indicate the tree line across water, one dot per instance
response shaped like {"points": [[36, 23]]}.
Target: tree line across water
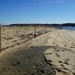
{"points": [[39, 24]]}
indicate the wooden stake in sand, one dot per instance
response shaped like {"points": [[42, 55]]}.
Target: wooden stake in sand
{"points": [[34, 31], [45, 29]]}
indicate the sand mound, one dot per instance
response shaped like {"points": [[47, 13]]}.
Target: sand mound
{"points": [[62, 54]]}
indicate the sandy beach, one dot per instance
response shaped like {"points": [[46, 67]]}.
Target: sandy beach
{"points": [[52, 53], [37, 37], [15, 35], [26, 59], [62, 53]]}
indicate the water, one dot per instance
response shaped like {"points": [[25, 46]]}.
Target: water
{"points": [[69, 28]]}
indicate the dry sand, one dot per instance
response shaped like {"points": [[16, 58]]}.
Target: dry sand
{"points": [[15, 35], [52, 53], [62, 53]]}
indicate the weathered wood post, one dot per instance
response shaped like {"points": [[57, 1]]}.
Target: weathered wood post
{"points": [[46, 29], [0, 38], [34, 31]]}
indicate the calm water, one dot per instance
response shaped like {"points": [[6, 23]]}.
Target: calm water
{"points": [[69, 28]]}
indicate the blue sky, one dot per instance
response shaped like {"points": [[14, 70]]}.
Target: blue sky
{"points": [[37, 11]]}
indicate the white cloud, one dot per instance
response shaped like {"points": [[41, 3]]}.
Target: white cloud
{"points": [[49, 2], [44, 3]]}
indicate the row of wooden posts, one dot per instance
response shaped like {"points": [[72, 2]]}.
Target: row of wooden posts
{"points": [[36, 31], [34, 34]]}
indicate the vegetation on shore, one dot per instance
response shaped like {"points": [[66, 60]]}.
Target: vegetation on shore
{"points": [[39, 24]]}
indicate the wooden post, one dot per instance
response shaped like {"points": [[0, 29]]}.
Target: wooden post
{"points": [[0, 38], [46, 29], [34, 31]]}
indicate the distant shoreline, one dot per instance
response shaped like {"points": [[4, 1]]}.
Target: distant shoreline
{"points": [[40, 24]]}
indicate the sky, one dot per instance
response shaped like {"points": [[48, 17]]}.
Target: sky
{"points": [[37, 11]]}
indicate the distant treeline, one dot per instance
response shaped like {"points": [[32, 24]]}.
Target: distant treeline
{"points": [[64, 24]]}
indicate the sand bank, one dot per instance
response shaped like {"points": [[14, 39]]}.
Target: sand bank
{"points": [[62, 53]]}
